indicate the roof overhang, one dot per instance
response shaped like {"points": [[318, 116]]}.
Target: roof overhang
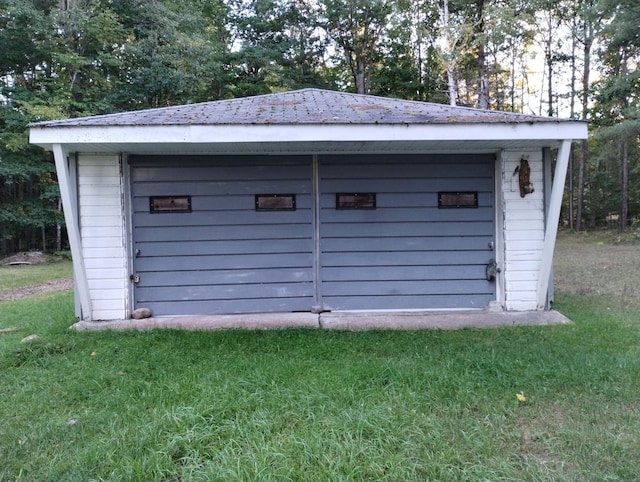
{"points": [[292, 138]]}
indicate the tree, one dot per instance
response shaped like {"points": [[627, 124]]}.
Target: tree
{"points": [[619, 97], [357, 26]]}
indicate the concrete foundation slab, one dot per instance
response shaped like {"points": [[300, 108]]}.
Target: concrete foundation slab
{"points": [[412, 320]]}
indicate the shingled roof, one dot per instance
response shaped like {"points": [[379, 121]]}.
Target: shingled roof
{"points": [[306, 106]]}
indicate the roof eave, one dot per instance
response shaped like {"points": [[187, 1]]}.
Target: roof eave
{"points": [[46, 136]]}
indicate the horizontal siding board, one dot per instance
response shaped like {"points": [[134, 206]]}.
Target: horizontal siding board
{"points": [[105, 222], [106, 273], [239, 232], [409, 185], [248, 218], [102, 263], [250, 174], [108, 314], [203, 263], [107, 284], [512, 236], [395, 273], [390, 288], [530, 276], [114, 295], [516, 305], [407, 258], [407, 243], [403, 302], [102, 242], [239, 187], [223, 277], [374, 230], [408, 214], [225, 292], [242, 246], [233, 306], [112, 253], [109, 208], [430, 170]]}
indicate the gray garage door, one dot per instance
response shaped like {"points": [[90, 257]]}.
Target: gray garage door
{"points": [[406, 232], [222, 235], [236, 234]]}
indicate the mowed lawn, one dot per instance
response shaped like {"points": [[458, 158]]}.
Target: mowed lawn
{"points": [[327, 405]]}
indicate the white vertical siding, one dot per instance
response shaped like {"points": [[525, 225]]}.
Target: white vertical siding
{"points": [[103, 237], [524, 221]]}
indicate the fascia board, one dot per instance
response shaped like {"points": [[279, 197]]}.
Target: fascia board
{"points": [[47, 136]]}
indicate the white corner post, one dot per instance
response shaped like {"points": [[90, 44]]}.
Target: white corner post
{"points": [[553, 218], [73, 229]]}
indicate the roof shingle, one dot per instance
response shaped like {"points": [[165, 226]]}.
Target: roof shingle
{"points": [[306, 106]]}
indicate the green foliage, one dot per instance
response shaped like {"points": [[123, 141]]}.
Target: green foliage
{"points": [[61, 59]]}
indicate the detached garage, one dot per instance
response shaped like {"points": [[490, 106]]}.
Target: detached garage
{"points": [[310, 201]]}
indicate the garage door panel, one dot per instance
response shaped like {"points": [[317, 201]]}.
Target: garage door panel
{"points": [[407, 252], [223, 256]]}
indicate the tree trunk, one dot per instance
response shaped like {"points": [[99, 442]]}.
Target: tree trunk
{"points": [[584, 155], [359, 76], [588, 34], [59, 229], [624, 181], [450, 61], [483, 81]]}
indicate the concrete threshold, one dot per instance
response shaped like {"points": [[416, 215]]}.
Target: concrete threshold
{"points": [[338, 320]]}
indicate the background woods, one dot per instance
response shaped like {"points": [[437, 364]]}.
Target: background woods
{"points": [[572, 58]]}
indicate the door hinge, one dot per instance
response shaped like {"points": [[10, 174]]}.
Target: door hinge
{"points": [[135, 278]]}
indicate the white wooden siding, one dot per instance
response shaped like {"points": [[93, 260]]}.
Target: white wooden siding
{"points": [[102, 229], [524, 222]]}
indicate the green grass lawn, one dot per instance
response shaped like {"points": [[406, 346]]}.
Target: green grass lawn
{"points": [[27, 275], [320, 405]]}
